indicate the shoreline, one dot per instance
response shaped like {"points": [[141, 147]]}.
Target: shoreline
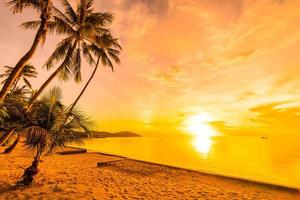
{"points": [[270, 184]]}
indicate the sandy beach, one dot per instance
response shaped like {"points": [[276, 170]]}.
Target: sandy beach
{"points": [[78, 177]]}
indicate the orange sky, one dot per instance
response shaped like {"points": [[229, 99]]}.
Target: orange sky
{"points": [[237, 61]]}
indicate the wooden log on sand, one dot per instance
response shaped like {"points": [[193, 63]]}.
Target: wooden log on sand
{"points": [[106, 163], [70, 152]]}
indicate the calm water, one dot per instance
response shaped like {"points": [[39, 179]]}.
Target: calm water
{"points": [[274, 160]]}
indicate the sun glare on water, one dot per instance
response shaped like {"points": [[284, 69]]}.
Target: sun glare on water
{"points": [[198, 126]]}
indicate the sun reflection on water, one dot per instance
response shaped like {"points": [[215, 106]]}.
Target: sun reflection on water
{"points": [[198, 126], [202, 144]]}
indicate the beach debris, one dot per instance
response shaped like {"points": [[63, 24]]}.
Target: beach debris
{"points": [[75, 151], [106, 163]]}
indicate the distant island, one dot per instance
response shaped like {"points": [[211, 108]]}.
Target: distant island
{"points": [[104, 134]]}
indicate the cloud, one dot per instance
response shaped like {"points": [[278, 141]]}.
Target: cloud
{"points": [[172, 74], [229, 55], [224, 57], [276, 118], [156, 7], [279, 1], [246, 95]]}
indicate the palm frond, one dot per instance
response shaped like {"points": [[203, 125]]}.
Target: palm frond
{"points": [[114, 54], [105, 59], [67, 64], [28, 71], [87, 54], [60, 52], [69, 11], [101, 53], [28, 84], [69, 131], [61, 15], [100, 19], [53, 96], [17, 6], [88, 30], [31, 25], [3, 114], [36, 137], [84, 121], [77, 66], [61, 26]]}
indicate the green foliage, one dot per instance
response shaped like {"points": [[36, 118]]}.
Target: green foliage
{"points": [[18, 5], [47, 128], [14, 107], [28, 71], [49, 124], [43, 7], [87, 34], [44, 126]]}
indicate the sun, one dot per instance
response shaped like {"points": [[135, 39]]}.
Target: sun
{"points": [[199, 125]]}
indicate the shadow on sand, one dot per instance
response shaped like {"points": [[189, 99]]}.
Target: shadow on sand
{"points": [[9, 188]]}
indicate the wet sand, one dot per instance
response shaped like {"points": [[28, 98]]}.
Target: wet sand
{"points": [[78, 177]]}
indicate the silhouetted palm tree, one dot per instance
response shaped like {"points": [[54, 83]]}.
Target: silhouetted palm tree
{"points": [[81, 27], [28, 71], [105, 48], [45, 118], [44, 8], [14, 106]]}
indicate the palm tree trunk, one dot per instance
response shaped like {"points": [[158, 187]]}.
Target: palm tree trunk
{"points": [[15, 73], [6, 135], [83, 90], [15, 83], [13, 146], [31, 171]]}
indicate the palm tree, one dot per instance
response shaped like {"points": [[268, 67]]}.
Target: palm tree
{"points": [[28, 71], [14, 106], [81, 27], [44, 8], [45, 119], [105, 48]]}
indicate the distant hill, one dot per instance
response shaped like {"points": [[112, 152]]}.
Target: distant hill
{"points": [[103, 134]]}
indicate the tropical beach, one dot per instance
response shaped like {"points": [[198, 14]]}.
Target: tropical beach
{"points": [[78, 177], [150, 99]]}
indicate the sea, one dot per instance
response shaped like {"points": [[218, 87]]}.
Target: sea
{"points": [[272, 159]]}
